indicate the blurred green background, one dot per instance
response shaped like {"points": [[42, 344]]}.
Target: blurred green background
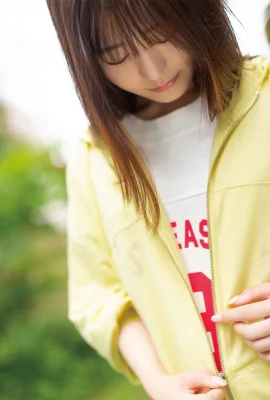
{"points": [[42, 357]]}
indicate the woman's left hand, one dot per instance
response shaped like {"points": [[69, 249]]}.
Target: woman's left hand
{"points": [[251, 305]]}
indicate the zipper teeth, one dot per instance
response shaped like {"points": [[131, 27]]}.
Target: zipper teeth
{"points": [[222, 373], [193, 301]]}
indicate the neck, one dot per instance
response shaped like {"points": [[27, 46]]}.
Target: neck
{"points": [[151, 110]]}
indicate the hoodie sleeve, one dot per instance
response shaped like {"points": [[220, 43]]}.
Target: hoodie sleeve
{"points": [[97, 300]]}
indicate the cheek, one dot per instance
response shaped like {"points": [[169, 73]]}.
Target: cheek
{"points": [[186, 63], [179, 57], [124, 76]]}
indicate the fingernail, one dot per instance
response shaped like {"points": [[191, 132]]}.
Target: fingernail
{"points": [[218, 381], [238, 299], [217, 318]]}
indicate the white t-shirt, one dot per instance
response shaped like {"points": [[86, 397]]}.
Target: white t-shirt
{"points": [[177, 147]]}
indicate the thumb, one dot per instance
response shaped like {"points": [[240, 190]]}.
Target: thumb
{"points": [[201, 379]]}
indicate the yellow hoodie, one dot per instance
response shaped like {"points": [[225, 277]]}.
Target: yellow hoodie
{"points": [[117, 267]]}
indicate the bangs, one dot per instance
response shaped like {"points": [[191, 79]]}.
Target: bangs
{"points": [[125, 26]]}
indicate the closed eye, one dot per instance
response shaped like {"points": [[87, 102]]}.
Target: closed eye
{"points": [[114, 54], [118, 62], [117, 55]]}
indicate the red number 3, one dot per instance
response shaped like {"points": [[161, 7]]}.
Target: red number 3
{"points": [[202, 288]]}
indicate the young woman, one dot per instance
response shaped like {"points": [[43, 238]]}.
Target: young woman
{"points": [[169, 195]]}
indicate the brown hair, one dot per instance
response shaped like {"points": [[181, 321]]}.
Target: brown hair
{"points": [[201, 27]]}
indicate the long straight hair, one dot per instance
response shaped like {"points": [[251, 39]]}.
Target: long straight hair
{"points": [[200, 27]]}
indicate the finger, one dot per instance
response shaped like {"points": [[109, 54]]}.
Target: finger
{"points": [[255, 331], [216, 394], [203, 391], [261, 345], [265, 356], [249, 312], [194, 397], [253, 294], [215, 382], [201, 379]]}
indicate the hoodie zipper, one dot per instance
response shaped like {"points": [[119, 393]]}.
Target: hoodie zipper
{"points": [[222, 374], [194, 303]]}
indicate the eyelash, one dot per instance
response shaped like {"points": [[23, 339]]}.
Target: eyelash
{"points": [[119, 62], [127, 56]]}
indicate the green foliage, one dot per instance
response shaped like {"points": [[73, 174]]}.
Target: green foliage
{"points": [[26, 180], [48, 360], [267, 25], [42, 357]]}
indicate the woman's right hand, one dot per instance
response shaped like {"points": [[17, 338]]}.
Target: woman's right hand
{"points": [[197, 385], [135, 344]]}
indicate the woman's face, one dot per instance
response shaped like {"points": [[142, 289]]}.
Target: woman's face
{"points": [[161, 73]]}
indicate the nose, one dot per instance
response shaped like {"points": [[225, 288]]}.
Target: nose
{"points": [[152, 64]]}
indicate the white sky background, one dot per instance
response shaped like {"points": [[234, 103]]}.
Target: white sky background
{"points": [[34, 80]]}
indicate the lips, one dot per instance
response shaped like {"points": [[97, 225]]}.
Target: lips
{"points": [[166, 86]]}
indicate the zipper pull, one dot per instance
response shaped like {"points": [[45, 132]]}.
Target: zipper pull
{"points": [[222, 375]]}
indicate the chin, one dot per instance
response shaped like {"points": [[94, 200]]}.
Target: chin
{"points": [[169, 98]]}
